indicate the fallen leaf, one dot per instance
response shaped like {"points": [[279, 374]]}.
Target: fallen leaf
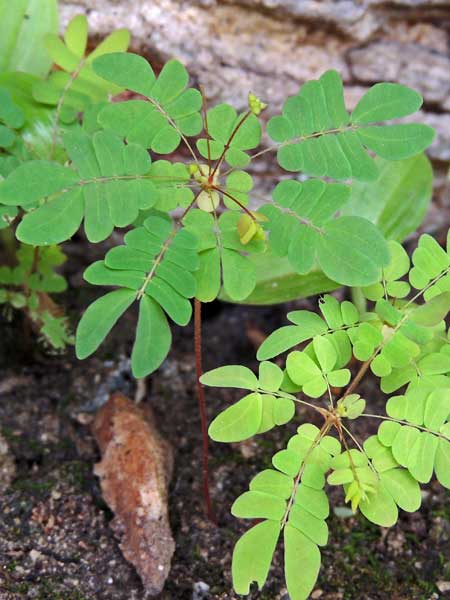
{"points": [[134, 473]]}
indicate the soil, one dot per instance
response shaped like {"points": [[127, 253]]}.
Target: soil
{"points": [[55, 539]]}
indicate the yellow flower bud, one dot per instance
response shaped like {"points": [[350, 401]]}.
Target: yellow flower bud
{"points": [[255, 105]]}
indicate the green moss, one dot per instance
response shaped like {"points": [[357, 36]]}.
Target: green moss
{"points": [[47, 590], [76, 473], [11, 566], [36, 488]]}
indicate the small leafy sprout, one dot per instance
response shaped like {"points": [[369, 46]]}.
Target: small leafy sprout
{"points": [[351, 406], [27, 286], [404, 340]]}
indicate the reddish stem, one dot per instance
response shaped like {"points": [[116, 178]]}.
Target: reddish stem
{"points": [[231, 197], [228, 144], [202, 407]]}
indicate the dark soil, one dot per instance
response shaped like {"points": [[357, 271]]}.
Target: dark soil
{"points": [[55, 541]]}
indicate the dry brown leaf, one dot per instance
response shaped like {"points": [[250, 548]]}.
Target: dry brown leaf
{"points": [[134, 473]]}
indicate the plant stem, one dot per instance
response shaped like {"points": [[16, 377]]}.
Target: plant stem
{"points": [[59, 106], [322, 433], [228, 144], [360, 448], [231, 197], [362, 371], [202, 407], [205, 125]]}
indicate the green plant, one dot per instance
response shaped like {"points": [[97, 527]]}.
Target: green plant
{"points": [[27, 285], [109, 183], [407, 346], [36, 107], [71, 156]]}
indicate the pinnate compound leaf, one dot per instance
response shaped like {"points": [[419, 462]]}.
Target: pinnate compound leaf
{"points": [[172, 109], [253, 554], [233, 376], [317, 136], [294, 223], [238, 422], [302, 227], [99, 318], [112, 182], [75, 86], [155, 265]]}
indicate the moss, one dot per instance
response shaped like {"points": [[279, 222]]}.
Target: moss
{"points": [[11, 566], [47, 590], [35, 488], [77, 473], [18, 588]]}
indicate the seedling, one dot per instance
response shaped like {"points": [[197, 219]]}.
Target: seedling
{"points": [[191, 234], [403, 343]]}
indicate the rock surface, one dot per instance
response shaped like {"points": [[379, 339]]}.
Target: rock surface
{"points": [[272, 46], [134, 474]]}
